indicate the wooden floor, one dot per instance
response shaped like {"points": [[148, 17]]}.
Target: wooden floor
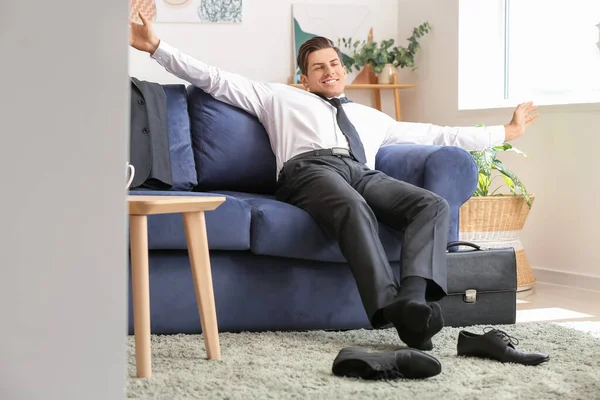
{"points": [[554, 303]]}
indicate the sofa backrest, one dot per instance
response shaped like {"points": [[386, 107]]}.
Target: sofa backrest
{"points": [[231, 147]]}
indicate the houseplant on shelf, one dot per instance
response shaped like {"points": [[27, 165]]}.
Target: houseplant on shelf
{"points": [[494, 219], [382, 58]]}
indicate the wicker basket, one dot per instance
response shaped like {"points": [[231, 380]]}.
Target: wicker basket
{"points": [[497, 221]]}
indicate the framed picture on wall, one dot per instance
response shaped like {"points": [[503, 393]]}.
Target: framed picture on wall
{"points": [[194, 11], [336, 22]]}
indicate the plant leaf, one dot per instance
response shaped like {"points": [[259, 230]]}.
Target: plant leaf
{"points": [[510, 183], [484, 160], [516, 181], [509, 147], [518, 152], [503, 147], [483, 182]]}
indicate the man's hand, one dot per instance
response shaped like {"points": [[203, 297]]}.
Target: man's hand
{"points": [[142, 37], [523, 116]]}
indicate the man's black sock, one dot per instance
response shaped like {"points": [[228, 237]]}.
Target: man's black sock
{"points": [[413, 288], [410, 307]]}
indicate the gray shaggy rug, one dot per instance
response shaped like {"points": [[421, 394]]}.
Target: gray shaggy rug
{"points": [[297, 365]]}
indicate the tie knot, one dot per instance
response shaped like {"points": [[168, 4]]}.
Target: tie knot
{"points": [[338, 101], [335, 101]]}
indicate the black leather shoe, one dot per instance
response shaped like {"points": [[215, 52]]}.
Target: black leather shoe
{"points": [[422, 340], [391, 364], [496, 345]]}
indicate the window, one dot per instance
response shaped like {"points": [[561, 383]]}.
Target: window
{"points": [[519, 50]]}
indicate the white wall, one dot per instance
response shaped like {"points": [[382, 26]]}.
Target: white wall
{"points": [[260, 47], [64, 123], [562, 230]]}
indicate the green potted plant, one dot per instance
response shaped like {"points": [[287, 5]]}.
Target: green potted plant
{"points": [[487, 162], [404, 57], [383, 58], [491, 218]]}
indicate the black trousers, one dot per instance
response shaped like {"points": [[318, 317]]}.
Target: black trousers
{"points": [[347, 200]]}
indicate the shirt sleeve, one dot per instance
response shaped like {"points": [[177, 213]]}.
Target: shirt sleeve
{"points": [[233, 89], [468, 138]]}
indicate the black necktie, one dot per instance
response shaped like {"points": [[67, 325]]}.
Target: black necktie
{"points": [[348, 129]]}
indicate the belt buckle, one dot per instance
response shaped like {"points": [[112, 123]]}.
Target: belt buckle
{"points": [[339, 152]]}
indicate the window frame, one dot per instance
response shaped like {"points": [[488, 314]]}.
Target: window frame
{"points": [[486, 85]]}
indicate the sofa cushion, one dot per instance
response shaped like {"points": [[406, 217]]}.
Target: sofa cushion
{"points": [[245, 195], [183, 167], [280, 229], [231, 147], [228, 226]]}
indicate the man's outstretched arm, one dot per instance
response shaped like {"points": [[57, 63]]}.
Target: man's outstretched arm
{"points": [[468, 138], [228, 87]]}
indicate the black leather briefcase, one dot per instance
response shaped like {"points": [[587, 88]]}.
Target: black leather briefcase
{"points": [[482, 286]]}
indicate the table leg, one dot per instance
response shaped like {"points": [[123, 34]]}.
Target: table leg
{"points": [[140, 282], [397, 104], [396, 98], [378, 99], [197, 242]]}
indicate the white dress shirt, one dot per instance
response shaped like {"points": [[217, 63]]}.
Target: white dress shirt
{"points": [[298, 121]]}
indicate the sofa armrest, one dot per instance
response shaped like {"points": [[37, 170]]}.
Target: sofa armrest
{"points": [[447, 171]]}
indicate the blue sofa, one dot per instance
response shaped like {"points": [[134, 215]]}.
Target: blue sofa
{"points": [[273, 267]]}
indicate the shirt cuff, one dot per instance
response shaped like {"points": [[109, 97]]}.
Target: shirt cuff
{"points": [[163, 53], [497, 135]]}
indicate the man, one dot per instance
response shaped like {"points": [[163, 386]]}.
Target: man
{"points": [[325, 150]]}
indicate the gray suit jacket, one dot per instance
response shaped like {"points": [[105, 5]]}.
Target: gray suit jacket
{"points": [[149, 137]]}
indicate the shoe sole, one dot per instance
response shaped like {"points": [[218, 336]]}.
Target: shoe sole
{"points": [[531, 364]]}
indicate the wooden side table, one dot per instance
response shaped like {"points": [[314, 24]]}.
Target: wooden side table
{"points": [[192, 209]]}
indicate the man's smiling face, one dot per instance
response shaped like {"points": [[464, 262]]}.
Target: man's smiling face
{"points": [[325, 73]]}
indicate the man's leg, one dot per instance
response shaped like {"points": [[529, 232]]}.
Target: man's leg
{"points": [[319, 185], [424, 218]]}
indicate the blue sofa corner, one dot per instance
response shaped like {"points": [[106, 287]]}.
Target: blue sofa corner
{"points": [[273, 267]]}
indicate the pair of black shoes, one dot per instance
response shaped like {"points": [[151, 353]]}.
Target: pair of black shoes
{"points": [[408, 363]]}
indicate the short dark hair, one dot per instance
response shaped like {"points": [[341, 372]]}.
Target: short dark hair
{"points": [[314, 44]]}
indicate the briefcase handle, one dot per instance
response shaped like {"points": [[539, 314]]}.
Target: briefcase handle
{"points": [[462, 243]]}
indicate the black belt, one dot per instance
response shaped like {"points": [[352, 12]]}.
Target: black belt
{"points": [[336, 151]]}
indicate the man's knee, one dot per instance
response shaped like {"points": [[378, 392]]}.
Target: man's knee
{"points": [[443, 205], [354, 207], [437, 205]]}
